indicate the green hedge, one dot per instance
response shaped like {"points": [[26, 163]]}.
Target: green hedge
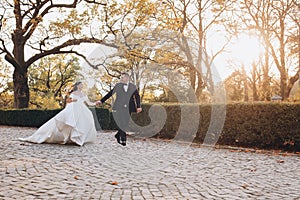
{"points": [[258, 125], [29, 118], [269, 125], [35, 118]]}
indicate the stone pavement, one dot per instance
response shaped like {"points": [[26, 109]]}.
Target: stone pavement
{"points": [[144, 169]]}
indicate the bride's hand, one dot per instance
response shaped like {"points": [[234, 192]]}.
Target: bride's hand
{"points": [[98, 103], [70, 100]]}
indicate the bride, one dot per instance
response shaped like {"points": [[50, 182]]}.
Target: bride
{"points": [[74, 124]]}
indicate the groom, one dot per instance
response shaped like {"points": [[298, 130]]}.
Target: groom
{"points": [[127, 101]]}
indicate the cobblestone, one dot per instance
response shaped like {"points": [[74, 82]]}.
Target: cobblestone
{"points": [[144, 169]]}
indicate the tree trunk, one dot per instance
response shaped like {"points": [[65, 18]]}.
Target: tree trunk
{"points": [[254, 82], [283, 84], [266, 93], [21, 89], [192, 73], [246, 91], [292, 81], [200, 85], [20, 78]]}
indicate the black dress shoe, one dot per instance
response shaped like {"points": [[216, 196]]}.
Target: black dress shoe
{"points": [[118, 139], [123, 143]]}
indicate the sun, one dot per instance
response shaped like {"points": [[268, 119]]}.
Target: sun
{"points": [[245, 49]]}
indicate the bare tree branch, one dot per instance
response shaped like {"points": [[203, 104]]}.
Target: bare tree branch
{"points": [[95, 2], [69, 43]]}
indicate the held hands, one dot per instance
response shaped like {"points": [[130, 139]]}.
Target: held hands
{"points": [[98, 103], [138, 110], [93, 103]]}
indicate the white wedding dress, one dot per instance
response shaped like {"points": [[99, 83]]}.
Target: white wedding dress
{"points": [[74, 124]]}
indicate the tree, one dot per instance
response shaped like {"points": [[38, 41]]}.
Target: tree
{"points": [[253, 81], [294, 44], [6, 88], [31, 30], [131, 24], [272, 19], [93, 93], [50, 79], [243, 24], [234, 86], [192, 23]]}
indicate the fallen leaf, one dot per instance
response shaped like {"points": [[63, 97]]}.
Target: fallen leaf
{"points": [[76, 177], [114, 183], [253, 169], [280, 161], [245, 186], [285, 154], [247, 150]]}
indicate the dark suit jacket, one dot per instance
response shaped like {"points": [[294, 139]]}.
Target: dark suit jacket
{"points": [[130, 99]]}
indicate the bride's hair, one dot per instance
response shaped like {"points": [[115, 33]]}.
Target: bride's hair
{"points": [[75, 87]]}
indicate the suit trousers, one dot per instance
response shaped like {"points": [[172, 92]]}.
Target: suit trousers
{"points": [[122, 117]]}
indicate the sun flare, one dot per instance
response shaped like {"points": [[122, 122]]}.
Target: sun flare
{"points": [[246, 49]]}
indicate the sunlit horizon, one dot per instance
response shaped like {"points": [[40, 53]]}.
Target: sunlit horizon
{"points": [[243, 51], [246, 49]]}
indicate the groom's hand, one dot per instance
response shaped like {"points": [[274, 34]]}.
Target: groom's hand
{"points": [[98, 103], [138, 110]]}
